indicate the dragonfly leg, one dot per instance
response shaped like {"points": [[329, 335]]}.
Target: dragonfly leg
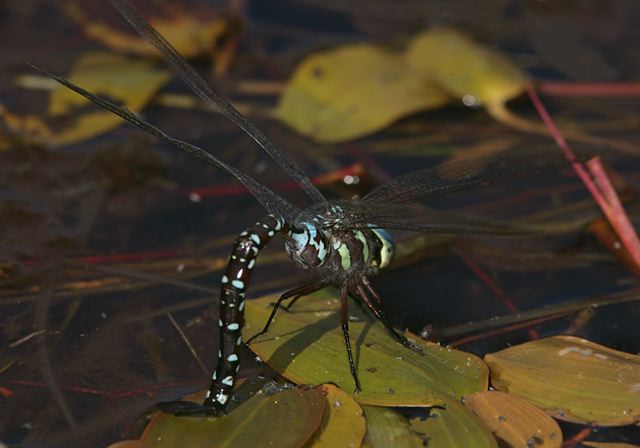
{"points": [[380, 312], [344, 295], [296, 293]]}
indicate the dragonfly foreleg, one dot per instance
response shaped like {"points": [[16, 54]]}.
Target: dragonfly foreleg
{"points": [[296, 293]]}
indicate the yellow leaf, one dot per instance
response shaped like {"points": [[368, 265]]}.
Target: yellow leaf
{"points": [[343, 423], [453, 426], [464, 68], [352, 91], [572, 379], [387, 428], [514, 420], [125, 81], [284, 419], [306, 346]]}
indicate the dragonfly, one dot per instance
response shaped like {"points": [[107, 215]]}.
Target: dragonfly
{"points": [[341, 242]]}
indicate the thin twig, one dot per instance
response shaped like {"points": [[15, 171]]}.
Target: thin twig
{"points": [[187, 343]]}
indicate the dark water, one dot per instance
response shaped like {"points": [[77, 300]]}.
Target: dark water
{"points": [[103, 349]]}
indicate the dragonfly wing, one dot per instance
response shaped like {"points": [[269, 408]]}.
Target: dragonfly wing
{"points": [[465, 174], [270, 200], [415, 217], [201, 88]]}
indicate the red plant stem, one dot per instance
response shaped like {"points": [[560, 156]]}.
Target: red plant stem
{"points": [[624, 228], [604, 194], [578, 438], [560, 88], [497, 291]]}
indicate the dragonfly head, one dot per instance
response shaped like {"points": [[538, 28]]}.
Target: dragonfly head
{"points": [[307, 245]]}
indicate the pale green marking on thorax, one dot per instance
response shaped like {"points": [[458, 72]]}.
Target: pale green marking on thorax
{"points": [[344, 254], [365, 246]]}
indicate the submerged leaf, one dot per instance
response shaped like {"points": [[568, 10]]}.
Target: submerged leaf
{"points": [[343, 423], [129, 82], [514, 420], [453, 426], [306, 346], [572, 379], [352, 91], [464, 68], [284, 419], [387, 428], [191, 34]]}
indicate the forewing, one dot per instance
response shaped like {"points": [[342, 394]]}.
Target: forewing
{"points": [[201, 88]]}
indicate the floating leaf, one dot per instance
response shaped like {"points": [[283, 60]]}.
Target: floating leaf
{"points": [[343, 423], [284, 419], [306, 346], [514, 420], [130, 82], [464, 68], [351, 91], [453, 426], [572, 379], [385, 428]]}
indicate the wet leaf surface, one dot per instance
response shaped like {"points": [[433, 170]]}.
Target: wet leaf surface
{"points": [[352, 91], [514, 420], [453, 426], [572, 379], [306, 346], [386, 428], [343, 422], [284, 419]]}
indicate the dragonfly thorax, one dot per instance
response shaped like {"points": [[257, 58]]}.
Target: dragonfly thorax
{"points": [[349, 253]]}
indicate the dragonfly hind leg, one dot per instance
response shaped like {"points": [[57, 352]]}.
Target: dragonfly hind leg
{"points": [[344, 295], [295, 294]]}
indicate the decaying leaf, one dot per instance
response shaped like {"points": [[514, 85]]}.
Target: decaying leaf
{"points": [[387, 428], [284, 419], [514, 420], [572, 379], [352, 91], [343, 423], [306, 346], [453, 426]]}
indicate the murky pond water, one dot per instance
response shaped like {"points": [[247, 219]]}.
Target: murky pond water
{"points": [[112, 247]]}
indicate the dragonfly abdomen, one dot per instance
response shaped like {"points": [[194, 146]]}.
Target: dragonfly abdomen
{"points": [[233, 287]]}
